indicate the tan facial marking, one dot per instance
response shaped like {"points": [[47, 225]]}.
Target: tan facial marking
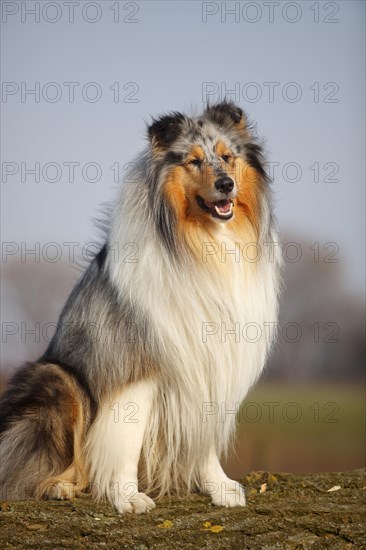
{"points": [[196, 152], [249, 183]]}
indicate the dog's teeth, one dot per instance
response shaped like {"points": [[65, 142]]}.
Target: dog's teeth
{"points": [[224, 214]]}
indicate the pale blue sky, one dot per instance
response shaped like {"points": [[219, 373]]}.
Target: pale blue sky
{"points": [[169, 53]]}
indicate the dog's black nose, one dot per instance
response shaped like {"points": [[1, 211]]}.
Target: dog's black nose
{"points": [[224, 184]]}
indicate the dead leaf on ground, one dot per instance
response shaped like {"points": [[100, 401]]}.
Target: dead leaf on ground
{"points": [[334, 488]]}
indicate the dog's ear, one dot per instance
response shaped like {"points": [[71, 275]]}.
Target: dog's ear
{"points": [[226, 112], [164, 130]]}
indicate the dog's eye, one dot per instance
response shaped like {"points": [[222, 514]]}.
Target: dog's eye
{"points": [[226, 158], [196, 162]]}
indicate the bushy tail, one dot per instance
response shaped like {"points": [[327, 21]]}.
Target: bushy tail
{"points": [[43, 415]]}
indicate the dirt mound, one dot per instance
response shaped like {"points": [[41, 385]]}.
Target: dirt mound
{"points": [[286, 511]]}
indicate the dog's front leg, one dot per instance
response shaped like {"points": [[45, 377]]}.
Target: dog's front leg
{"points": [[114, 447], [134, 405], [222, 490]]}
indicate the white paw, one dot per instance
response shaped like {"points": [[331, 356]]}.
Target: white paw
{"points": [[142, 504], [228, 493], [122, 507], [127, 502]]}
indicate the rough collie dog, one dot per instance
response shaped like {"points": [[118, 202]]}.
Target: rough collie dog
{"points": [[154, 349]]}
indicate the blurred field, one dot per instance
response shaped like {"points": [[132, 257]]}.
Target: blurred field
{"points": [[300, 429]]}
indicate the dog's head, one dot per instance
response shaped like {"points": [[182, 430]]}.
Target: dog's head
{"points": [[209, 168]]}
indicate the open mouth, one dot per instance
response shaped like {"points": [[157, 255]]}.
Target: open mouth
{"points": [[220, 209]]}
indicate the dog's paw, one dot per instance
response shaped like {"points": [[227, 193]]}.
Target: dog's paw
{"points": [[228, 493], [62, 490], [137, 502], [142, 504]]}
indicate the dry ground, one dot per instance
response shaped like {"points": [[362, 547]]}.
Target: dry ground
{"points": [[293, 512]]}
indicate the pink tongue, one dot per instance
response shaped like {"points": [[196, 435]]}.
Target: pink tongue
{"points": [[224, 206]]}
